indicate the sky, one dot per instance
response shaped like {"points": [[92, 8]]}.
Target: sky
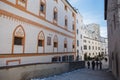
{"points": [[92, 12]]}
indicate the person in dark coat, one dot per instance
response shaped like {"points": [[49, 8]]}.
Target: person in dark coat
{"points": [[100, 65], [93, 64], [97, 64], [88, 64]]}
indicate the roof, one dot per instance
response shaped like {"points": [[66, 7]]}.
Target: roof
{"points": [[71, 6]]}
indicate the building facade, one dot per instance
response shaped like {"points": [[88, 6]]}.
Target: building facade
{"points": [[79, 32], [93, 44], [36, 31], [112, 16]]}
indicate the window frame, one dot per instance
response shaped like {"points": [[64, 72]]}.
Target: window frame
{"points": [[49, 41]]}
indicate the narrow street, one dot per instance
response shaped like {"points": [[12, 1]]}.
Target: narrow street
{"points": [[84, 74]]}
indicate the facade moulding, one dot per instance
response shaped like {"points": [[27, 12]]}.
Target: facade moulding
{"points": [[37, 16], [7, 14], [34, 54]]}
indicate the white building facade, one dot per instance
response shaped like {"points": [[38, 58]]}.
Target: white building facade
{"points": [[93, 46], [79, 36], [36, 31]]}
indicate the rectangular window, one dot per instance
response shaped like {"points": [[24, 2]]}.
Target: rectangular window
{"points": [[40, 43], [96, 48], [77, 31], [99, 48], [48, 40], [77, 42], [89, 47], [54, 59], [78, 51], [65, 58], [85, 47], [18, 40], [71, 58], [93, 47]]}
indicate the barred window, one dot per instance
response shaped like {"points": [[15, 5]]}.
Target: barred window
{"points": [[48, 40]]}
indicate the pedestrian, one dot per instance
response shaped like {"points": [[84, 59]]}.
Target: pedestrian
{"points": [[93, 64], [97, 65], [100, 65], [88, 64]]}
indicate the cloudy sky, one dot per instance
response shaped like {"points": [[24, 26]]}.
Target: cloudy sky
{"points": [[92, 12]]}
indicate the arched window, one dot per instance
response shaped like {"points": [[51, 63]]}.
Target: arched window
{"points": [[55, 41], [65, 45], [73, 26], [89, 47], [18, 39], [41, 39], [73, 44], [42, 7], [55, 15], [55, 44]]}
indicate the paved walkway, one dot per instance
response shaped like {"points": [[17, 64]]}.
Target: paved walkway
{"points": [[84, 74]]}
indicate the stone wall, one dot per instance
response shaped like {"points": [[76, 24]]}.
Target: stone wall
{"points": [[76, 65], [26, 72]]}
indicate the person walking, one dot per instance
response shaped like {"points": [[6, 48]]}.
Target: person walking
{"points": [[88, 64], [93, 65], [100, 65], [97, 65]]}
